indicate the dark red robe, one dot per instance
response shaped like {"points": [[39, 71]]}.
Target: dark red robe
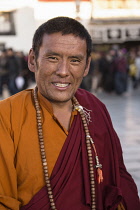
{"points": [[70, 176]]}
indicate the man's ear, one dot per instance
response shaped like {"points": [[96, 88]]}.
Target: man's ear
{"points": [[87, 66], [31, 61]]}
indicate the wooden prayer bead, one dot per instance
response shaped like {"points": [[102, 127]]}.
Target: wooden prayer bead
{"points": [[42, 149], [90, 158], [93, 206], [46, 171], [51, 200], [49, 188], [93, 192], [91, 168], [89, 151], [91, 175], [92, 182], [48, 184], [46, 180], [41, 140], [43, 156], [39, 117], [40, 136], [44, 159], [44, 164], [51, 196]]}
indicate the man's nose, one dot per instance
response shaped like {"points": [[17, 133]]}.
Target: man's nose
{"points": [[63, 69]]}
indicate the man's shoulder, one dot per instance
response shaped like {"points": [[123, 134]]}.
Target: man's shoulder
{"points": [[86, 97], [16, 99]]}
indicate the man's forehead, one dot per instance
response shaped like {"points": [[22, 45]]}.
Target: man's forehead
{"points": [[62, 37]]}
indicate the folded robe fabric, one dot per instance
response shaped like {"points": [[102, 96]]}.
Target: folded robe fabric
{"points": [[70, 176]]}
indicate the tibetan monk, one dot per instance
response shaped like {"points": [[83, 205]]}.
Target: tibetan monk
{"points": [[58, 147]]}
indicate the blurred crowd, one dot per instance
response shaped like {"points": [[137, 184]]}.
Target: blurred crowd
{"points": [[14, 72], [113, 70], [109, 71]]}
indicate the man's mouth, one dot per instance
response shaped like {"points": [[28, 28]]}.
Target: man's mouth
{"points": [[61, 84]]}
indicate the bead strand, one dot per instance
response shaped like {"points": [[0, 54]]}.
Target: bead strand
{"points": [[89, 152], [42, 150]]}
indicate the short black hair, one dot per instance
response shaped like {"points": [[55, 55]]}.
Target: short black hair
{"points": [[65, 25]]}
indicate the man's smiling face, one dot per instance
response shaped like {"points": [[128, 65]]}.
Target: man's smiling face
{"points": [[60, 67]]}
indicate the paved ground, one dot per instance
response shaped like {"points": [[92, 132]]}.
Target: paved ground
{"points": [[125, 114]]}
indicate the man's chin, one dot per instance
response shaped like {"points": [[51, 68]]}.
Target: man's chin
{"points": [[60, 98]]}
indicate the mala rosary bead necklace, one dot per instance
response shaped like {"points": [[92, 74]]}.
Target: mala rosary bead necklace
{"points": [[42, 150], [89, 142]]}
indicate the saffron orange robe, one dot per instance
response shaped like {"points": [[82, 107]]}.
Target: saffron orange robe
{"points": [[21, 174]]}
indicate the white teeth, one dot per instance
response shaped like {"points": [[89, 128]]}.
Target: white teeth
{"points": [[61, 85]]}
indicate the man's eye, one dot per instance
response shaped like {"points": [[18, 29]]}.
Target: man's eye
{"points": [[75, 61], [53, 58]]}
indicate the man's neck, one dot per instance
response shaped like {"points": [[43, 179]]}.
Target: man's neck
{"points": [[63, 113]]}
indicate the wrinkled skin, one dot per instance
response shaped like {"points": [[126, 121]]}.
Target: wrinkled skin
{"points": [[60, 67]]}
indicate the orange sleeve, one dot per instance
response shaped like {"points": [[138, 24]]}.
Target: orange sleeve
{"points": [[8, 178]]}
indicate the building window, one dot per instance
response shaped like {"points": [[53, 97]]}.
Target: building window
{"points": [[7, 23]]}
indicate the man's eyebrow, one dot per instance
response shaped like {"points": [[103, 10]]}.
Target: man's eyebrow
{"points": [[77, 56], [51, 53]]}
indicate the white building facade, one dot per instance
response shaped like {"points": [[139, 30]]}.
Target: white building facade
{"points": [[19, 19], [108, 21]]}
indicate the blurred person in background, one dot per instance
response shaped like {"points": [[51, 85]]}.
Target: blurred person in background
{"points": [[4, 73], [133, 67], [87, 81], [58, 147], [106, 67], [121, 72], [137, 63], [96, 75], [23, 69], [13, 69]]}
